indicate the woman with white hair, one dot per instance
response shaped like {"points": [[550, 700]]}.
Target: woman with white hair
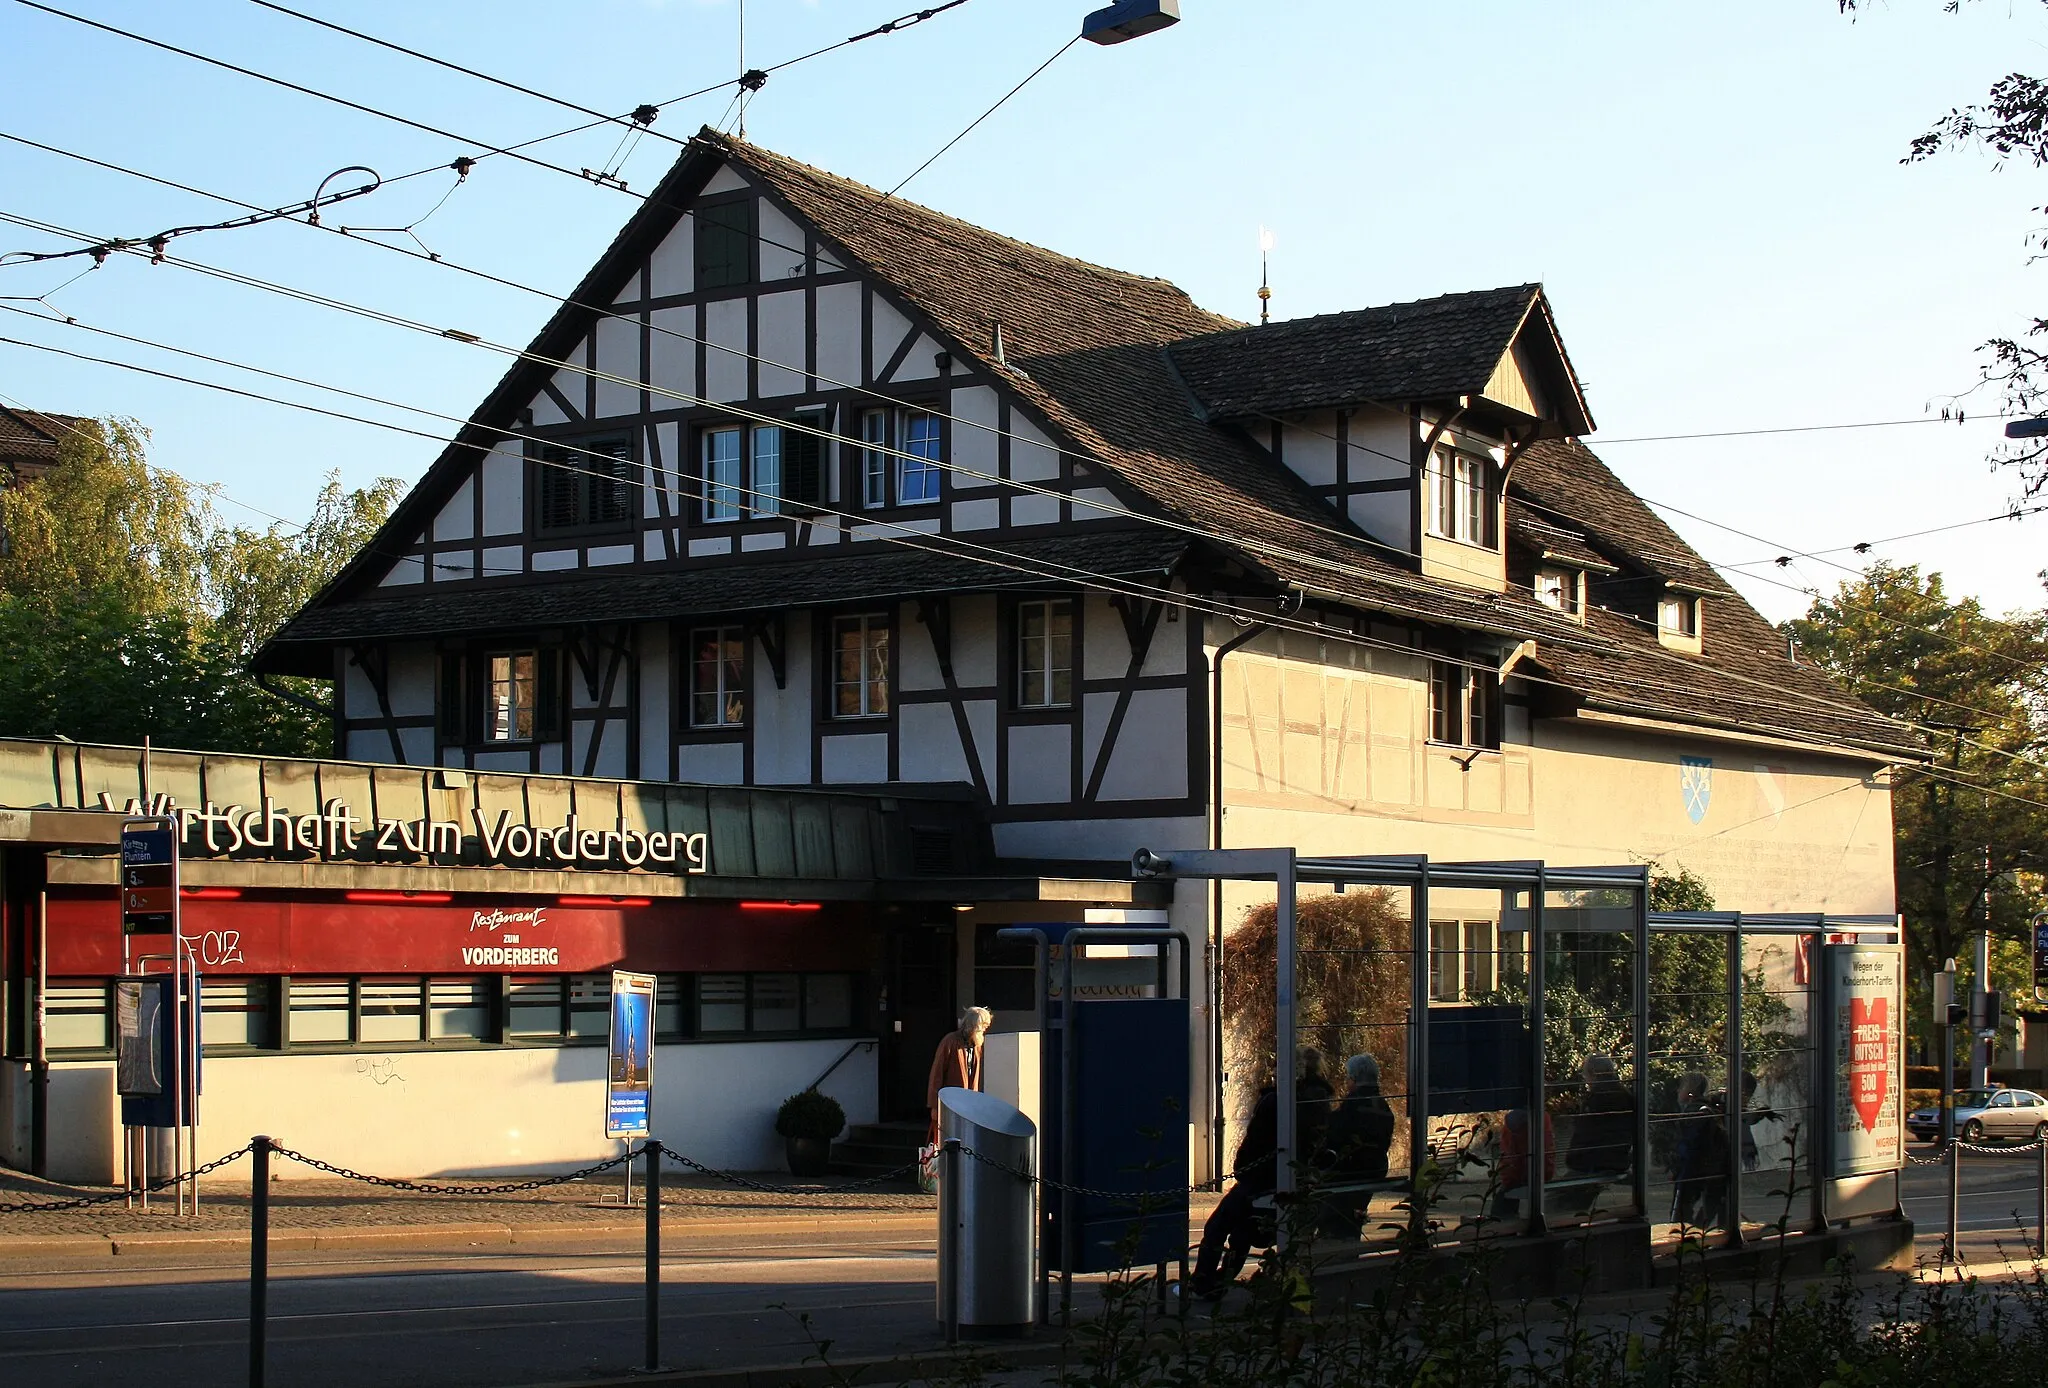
{"points": [[957, 1064]]}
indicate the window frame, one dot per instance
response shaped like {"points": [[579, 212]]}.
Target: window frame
{"points": [[881, 449], [1022, 668], [1464, 497], [487, 686], [1464, 705], [1686, 607], [724, 635], [1570, 589], [578, 468], [882, 622], [713, 506], [692, 992], [746, 266]]}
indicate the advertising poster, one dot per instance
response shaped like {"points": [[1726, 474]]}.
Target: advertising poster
{"points": [[1868, 1003], [629, 1077]]}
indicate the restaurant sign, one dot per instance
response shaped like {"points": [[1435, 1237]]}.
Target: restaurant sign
{"points": [[335, 832]]}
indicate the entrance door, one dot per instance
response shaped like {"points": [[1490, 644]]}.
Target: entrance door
{"points": [[920, 1012]]}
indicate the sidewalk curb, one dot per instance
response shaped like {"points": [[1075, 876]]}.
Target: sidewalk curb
{"points": [[146, 1241], [884, 1368]]}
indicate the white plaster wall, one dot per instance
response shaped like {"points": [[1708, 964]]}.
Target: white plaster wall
{"points": [[407, 570], [1032, 456], [1105, 649], [1309, 448], [470, 1112], [1149, 760], [782, 717], [672, 360], [673, 264], [974, 447], [726, 180], [1040, 764], [504, 478], [618, 354], [782, 244], [713, 763], [888, 328], [725, 372], [921, 363], [839, 333], [930, 749], [917, 657], [457, 519], [781, 325], [411, 679], [855, 759]]}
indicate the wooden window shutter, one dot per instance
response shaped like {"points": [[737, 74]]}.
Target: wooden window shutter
{"points": [[725, 244], [548, 696], [451, 707], [803, 464], [560, 490]]}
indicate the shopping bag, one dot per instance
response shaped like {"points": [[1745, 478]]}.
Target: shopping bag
{"points": [[928, 1170]]}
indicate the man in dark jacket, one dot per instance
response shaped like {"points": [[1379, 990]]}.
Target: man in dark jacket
{"points": [[1361, 1131], [1228, 1234], [1700, 1163], [1604, 1133]]}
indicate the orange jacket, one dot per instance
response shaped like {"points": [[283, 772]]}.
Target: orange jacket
{"points": [[954, 1066]]}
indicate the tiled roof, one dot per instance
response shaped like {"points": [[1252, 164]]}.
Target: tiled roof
{"points": [[850, 571], [1431, 349], [29, 439], [1743, 678], [1083, 348]]}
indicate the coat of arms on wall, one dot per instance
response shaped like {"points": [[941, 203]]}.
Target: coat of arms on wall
{"points": [[1696, 785]]}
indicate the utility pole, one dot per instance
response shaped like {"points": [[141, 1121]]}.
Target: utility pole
{"points": [[1980, 1019]]}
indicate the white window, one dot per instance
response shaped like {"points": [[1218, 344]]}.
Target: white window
{"points": [[860, 666], [722, 480], [1679, 614], [718, 677], [916, 450], [511, 697], [1464, 705], [1462, 499], [767, 478], [1045, 654], [1558, 588]]}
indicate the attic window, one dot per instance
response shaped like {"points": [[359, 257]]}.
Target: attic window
{"points": [[1559, 589], [725, 243], [587, 485], [1679, 614], [1463, 501]]}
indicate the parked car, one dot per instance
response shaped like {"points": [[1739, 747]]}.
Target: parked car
{"points": [[2019, 1114]]}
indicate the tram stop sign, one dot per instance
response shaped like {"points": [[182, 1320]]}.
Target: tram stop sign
{"points": [[2041, 959], [149, 878]]}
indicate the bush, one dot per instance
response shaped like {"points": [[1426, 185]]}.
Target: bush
{"points": [[810, 1114]]}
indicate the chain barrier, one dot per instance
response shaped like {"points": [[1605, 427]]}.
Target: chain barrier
{"points": [[88, 1201], [436, 1188], [748, 1183], [1940, 1157]]}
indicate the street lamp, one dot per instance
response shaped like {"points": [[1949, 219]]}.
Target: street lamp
{"points": [[2026, 428]]}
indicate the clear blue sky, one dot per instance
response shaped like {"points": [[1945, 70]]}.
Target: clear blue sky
{"points": [[1712, 193]]}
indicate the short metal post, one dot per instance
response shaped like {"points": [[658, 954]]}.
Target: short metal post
{"points": [[1951, 1250], [650, 1191], [259, 1253], [950, 1216]]}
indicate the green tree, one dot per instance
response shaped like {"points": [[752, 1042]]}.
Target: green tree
{"points": [[129, 609], [1969, 825]]}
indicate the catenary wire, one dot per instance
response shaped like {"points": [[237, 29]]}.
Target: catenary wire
{"points": [[1811, 700], [1058, 53]]}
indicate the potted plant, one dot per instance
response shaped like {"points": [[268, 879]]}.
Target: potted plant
{"points": [[808, 1122]]}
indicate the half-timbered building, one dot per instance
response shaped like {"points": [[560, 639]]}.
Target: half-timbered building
{"points": [[809, 487]]}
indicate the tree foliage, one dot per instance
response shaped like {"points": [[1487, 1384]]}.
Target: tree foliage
{"points": [[1970, 825], [129, 608], [2010, 123]]}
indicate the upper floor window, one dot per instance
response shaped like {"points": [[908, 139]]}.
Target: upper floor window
{"points": [[1464, 705], [725, 243], [511, 697], [718, 677], [586, 486], [860, 666], [757, 469], [1558, 588], [908, 472], [1462, 499], [1045, 653], [1679, 614]]}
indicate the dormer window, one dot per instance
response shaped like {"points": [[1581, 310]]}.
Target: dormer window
{"points": [[1560, 589], [1464, 504], [1679, 614]]}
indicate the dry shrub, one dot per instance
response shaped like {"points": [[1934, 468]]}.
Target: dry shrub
{"points": [[1351, 972]]}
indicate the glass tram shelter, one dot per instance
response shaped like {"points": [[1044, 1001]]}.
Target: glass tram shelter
{"points": [[1723, 1072]]}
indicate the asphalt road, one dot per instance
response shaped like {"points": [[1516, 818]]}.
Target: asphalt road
{"points": [[450, 1319], [1999, 1208]]}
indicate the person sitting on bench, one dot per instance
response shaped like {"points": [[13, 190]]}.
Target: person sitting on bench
{"points": [[1361, 1131], [1604, 1133], [1232, 1226]]}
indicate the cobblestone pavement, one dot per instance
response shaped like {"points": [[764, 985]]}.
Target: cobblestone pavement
{"points": [[326, 1203]]}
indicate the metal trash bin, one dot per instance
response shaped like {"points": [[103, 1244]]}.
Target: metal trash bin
{"points": [[987, 1216]]}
